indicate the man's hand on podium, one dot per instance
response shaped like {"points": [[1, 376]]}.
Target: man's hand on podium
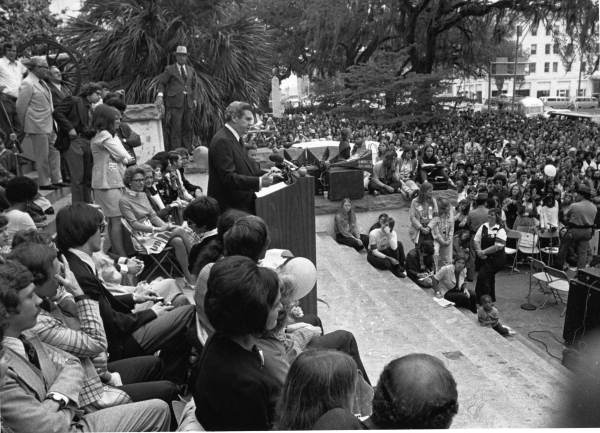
{"points": [[266, 179]]}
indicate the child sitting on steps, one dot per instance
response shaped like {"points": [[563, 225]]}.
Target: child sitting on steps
{"points": [[488, 315]]}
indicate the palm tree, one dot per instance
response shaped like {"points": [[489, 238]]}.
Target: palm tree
{"points": [[128, 43]]}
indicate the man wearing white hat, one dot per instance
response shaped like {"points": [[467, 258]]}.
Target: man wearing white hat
{"points": [[177, 87]]}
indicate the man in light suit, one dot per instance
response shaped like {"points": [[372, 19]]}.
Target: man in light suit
{"points": [[40, 392], [177, 86], [233, 177], [34, 110]]}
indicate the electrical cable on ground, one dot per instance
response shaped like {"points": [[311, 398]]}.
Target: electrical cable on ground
{"points": [[543, 343]]}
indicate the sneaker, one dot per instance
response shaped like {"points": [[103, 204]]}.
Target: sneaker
{"points": [[402, 275]]}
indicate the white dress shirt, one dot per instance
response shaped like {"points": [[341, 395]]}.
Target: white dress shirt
{"points": [[11, 75]]}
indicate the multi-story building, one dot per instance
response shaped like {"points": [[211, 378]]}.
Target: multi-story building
{"points": [[546, 72]]}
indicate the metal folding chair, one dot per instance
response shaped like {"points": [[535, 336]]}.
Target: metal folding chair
{"points": [[157, 251], [559, 283], [528, 245], [549, 245], [511, 247], [537, 275]]}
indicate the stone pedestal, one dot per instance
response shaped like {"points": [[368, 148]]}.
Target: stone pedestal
{"points": [[145, 119]]}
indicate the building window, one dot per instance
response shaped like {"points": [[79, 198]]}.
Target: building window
{"points": [[563, 92], [554, 66], [534, 31], [541, 93], [555, 48], [547, 48], [568, 67], [532, 68], [547, 67], [581, 92], [548, 31], [533, 49], [583, 65]]}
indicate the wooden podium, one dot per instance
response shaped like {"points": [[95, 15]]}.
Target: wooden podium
{"points": [[289, 211]]}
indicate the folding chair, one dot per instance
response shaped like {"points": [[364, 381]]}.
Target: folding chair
{"points": [[538, 274], [549, 244], [510, 249], [528, 244], [559, 283], [156, 249]]}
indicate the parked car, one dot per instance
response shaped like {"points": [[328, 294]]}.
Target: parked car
{"points": [[583, 102], [558, 102]]}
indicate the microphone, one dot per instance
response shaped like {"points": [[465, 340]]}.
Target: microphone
{"points": [[278, 160]]}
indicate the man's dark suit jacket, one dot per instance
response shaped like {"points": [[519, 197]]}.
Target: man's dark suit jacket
{"points": [[73, 113], [233, 176], [62, 137], [119, 321], [172, 86]]}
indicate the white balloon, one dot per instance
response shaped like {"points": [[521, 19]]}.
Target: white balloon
{"points": [[550, 170]]}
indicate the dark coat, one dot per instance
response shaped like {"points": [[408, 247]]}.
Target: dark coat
{"points": [[233, 177], [62, 137], [233, 391], [172, 86], [119, 321], [74, 113]]}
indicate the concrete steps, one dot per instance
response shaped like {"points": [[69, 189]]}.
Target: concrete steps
{"points": [[501, 381]]}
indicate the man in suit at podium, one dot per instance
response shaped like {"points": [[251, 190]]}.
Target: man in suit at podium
{"points": [[177, 85], [233, 177]]}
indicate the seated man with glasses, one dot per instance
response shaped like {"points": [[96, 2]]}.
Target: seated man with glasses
{"points": [[137, 210], [163, 327]]}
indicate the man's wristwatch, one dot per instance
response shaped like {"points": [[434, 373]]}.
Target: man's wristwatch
{"points": [[60, 399]]}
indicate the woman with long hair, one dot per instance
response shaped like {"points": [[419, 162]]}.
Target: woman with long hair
{"points": [[346, 230], [422, 210], [489, 242], [110, 158], [319, 392], [386, 177]]}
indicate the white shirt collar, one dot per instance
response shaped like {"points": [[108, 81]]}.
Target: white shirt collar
{"points": [[85, 258], [233, 131], [207, 234]]}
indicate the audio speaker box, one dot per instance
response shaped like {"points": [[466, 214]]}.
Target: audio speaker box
{"points": [[345, 182], [295, 155], [583, 311]]}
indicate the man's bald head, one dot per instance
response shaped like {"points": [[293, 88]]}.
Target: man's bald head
{"points": [[415, 391]]}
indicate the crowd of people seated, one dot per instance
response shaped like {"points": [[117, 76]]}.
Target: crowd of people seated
{"points": [[81, 346]]}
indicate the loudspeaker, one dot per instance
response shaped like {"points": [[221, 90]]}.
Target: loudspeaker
{"points": [[583, 311], [345, 182], [295, 155]]}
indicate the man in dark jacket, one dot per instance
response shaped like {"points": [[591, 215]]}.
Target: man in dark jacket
{"points": [[233, 177], [177, 86], [79, 229], [74, 117]]}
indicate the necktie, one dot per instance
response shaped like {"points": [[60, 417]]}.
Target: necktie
{"points": [[183, 74], [30, 351]]}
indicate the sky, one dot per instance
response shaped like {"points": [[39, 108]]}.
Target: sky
{"points": [[72, 6]]}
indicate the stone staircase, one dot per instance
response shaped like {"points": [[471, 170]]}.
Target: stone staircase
{"points": [[502, 382]]}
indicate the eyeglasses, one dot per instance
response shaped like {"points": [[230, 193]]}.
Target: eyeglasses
{"points": [[102, 227], [137, 180]]}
